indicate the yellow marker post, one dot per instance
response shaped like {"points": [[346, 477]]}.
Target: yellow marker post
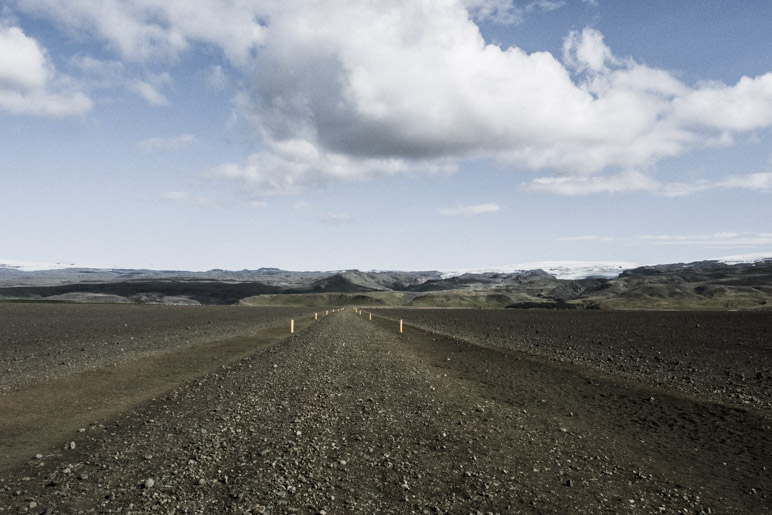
{"points": [[292, 326], [371, 316], [316, 316], [400, 326]]}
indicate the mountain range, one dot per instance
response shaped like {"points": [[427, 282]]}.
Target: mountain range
{"points": [[729, 283]]}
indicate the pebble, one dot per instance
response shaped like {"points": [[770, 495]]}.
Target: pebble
{"points": [[149, 482]]}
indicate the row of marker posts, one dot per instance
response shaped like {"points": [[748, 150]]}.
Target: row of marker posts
{"points": [[316, 317], [359, 311], [327, 312]]}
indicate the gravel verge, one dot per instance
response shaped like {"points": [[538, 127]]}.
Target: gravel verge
{"points": [[44, 341], [722, 356]]}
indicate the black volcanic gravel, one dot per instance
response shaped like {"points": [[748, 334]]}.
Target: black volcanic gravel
{"points": [[349, 416], [40, 341], [726, 356]]}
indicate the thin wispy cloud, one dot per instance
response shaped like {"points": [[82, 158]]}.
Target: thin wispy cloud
{"points": [[172, 144], [478, 209], [149, 92], [98, 74], [545, 5], [761, 182], [628, 182], [707, 240], [719, 239]]}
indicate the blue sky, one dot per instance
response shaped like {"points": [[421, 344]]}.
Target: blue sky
{"points": [[424, 134]]}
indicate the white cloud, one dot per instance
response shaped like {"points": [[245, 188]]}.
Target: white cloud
{"points": [[187, 198], [153, 30], [169, 144], [755, 181], [149, 92], [743, 107], [295, 166], [104, 72], [574, 186], [545, 5], [341, 91], [29, 84], [586, 50], [98, 73], [636, 181], [478, 209]]}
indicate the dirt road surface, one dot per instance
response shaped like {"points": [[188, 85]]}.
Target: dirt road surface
{"points": [[349, 416]]}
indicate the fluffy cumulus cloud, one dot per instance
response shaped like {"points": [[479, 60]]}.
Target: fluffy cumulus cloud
{"points": [[292, 166], [339, 90], [416, 82], [29, 83]]}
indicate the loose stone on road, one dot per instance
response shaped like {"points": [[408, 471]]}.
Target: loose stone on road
{"points": [[349, 416]]}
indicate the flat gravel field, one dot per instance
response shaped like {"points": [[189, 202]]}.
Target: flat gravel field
{"points": [[724, 356], [39, 341], [350, 416]]}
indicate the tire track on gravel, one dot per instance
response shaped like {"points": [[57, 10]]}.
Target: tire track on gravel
{"points": [[41, 415], [596, 428]]}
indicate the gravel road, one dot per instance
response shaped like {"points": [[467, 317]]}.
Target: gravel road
{"points": [[348, 416]]}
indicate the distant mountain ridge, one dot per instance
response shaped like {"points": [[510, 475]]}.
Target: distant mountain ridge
{"points": [[738, 282]]}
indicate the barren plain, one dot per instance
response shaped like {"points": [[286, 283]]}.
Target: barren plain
{"points": [[467, 411]]}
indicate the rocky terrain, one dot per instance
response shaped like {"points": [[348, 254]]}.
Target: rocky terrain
{"points": [[350, 416]]}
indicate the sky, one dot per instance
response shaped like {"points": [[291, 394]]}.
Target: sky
{"points": [[383, 134]]}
